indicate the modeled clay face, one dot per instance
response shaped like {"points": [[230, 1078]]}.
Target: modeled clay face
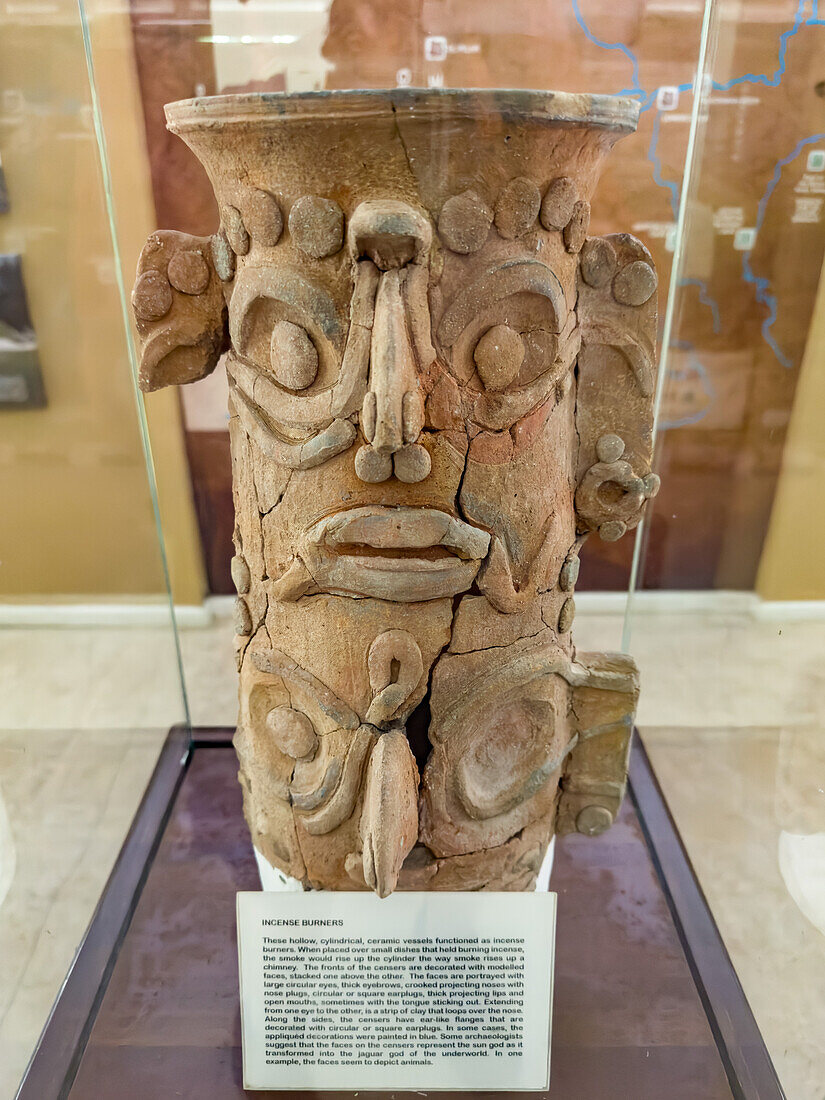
{"points": [[438, 386], [430, 380]]}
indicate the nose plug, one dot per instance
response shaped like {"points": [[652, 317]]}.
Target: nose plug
{"points": [[410, 463]]}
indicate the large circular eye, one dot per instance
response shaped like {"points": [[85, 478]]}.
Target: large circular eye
{"points": [[293, 732], [498, 356], [294, 356]]}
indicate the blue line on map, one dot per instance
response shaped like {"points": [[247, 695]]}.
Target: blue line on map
{"points": [[694, 367], [620, 46], [775, 80], [653, 157], [648, 98], [762, 285], [647, 101], [706, 300]]}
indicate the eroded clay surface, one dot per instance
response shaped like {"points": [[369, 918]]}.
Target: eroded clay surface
{"points": [[440, 386]]}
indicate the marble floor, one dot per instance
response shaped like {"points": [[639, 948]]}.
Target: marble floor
{"points": [[67, 799], [745, 801], [732, 712]]}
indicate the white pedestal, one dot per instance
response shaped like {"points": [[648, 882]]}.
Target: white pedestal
{"points": [[273, 879]]}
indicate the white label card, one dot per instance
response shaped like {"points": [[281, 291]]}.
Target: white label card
{"points": [[418, 991]]}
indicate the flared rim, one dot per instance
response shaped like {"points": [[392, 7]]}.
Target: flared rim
{"points": [[617, 113]]}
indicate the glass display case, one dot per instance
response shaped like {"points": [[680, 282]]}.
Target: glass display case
{"points": [[690, 955], [90, 671]]}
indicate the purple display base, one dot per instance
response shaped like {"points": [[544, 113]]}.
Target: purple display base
{"points": [[646, 1002]]}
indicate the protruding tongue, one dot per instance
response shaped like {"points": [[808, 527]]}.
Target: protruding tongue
{"points": [[389, 819]]}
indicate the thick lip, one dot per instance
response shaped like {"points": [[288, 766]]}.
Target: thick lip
{"points": [[382, 552], [402, 528], [618, 113]]}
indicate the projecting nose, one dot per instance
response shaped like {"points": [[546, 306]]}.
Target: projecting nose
{"points": [[397, 240]]}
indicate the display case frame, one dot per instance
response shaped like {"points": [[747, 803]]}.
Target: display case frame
{"points": [[734, 1055]]}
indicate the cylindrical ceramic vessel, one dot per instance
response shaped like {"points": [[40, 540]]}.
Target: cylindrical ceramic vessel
{"points": [[439, 385]]}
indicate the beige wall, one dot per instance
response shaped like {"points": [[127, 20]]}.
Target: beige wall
{"points": [[793, 560], [75, 508]]}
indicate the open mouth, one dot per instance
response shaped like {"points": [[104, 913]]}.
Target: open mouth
{"points": [[401, 554]]}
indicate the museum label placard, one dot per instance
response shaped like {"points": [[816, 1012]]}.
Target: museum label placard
{"points": [[417, 991]]}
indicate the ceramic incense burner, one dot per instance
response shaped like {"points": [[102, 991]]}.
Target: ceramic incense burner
{"points": [[440, 385]]}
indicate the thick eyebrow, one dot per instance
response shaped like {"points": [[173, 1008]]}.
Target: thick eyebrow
{"points": [[292, 289], [339, 400], [303, 455], [498, 283], [279, 664]]}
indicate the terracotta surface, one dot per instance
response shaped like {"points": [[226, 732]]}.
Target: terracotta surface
{"points": [[627, 1019], [440, 386]]}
